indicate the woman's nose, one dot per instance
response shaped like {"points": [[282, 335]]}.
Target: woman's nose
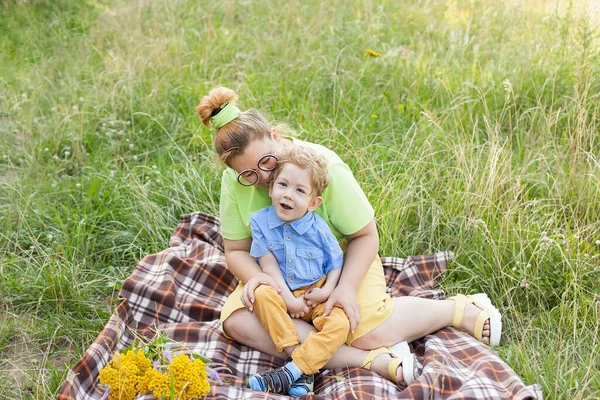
{"points": [[264, 176]]}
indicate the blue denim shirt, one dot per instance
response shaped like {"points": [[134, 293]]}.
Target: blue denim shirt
{"points": [[305, 249]]}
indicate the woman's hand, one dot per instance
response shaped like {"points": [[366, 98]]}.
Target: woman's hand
{"points": [[252, 284], [344, 297]]}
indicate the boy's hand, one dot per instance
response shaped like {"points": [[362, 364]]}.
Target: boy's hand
{"points": [[296, 307], [252, 284], [316, 296]]}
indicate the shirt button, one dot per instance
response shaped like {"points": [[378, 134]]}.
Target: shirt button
{"points": [[310, 254], [287, 225], [270, 246], [288, 238], [290, 261], [291, 280]]}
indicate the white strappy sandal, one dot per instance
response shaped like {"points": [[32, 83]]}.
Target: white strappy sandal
{"points": [[401, 357]]}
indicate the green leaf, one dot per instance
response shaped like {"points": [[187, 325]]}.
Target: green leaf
{"points": [[198, 356], [172, 381]]}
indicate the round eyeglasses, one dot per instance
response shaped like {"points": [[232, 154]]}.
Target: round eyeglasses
{"points": [[249, 177]]}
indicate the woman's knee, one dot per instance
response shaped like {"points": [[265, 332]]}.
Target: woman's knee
{"points": [[237, 326], [378, 337]]}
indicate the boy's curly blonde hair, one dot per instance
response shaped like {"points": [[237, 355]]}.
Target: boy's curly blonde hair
{"points": [[305, 158]]}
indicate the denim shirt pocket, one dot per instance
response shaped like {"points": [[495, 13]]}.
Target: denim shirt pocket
{"points": [[312, 258], [276, 247]]}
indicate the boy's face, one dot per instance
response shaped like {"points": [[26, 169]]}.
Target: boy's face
{"points": [[292, 194]]}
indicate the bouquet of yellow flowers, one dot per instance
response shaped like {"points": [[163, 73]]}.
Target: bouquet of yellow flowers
{"points": [[149, 366]]}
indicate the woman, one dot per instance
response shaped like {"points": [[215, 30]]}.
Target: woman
{"points": [[249, 145]]}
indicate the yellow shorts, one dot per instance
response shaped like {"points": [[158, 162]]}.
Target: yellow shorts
{"points": [[376, 306]]}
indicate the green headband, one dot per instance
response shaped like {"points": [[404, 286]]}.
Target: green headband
{"points": [[228, 113]]}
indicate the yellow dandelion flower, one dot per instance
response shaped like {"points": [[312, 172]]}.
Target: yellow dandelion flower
{"points": [[373, 115], [158, 384], [143, 385], [132, 373], [124, 374], [141, 361], [189, 377], [372, 53]]}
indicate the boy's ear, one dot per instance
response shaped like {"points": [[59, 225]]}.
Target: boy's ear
{"points": [[316, 202]]}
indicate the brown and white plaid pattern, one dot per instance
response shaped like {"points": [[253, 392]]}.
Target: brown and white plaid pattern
{"points": [[182, 289]]}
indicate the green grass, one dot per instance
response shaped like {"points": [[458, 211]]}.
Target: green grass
{"points": [[475, 131]]}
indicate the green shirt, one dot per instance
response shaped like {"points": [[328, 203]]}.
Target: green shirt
{"points": [[345, 207]]}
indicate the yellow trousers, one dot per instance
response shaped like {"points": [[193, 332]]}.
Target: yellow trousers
{"points": [[376, 306], [319, 346]]}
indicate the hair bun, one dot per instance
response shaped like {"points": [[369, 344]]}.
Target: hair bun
{"points": [[211, 104]]}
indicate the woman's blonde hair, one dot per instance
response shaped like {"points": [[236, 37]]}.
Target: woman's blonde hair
{"points": [[305, 158], [232, 139]]}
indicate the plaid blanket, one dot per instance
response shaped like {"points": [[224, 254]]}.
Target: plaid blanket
{"points": [[182, 289]]}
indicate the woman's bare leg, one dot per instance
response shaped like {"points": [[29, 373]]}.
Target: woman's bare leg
{"points": [[245, 328], [414, 318]]}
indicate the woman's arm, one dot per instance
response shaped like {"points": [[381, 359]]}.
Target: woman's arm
{"points": [[239, 261], [362, 250], [244, 267]]}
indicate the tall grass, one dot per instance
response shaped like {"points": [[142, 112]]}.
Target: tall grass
{"points": [[476, 130]]}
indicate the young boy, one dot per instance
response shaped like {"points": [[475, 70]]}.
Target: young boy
{"points": [[297, 248]]}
